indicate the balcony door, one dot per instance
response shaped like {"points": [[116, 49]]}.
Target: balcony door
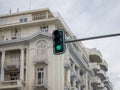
{"points": [[41, 76]]}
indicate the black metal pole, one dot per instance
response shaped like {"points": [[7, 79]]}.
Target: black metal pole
{"points": [[95, 37]]}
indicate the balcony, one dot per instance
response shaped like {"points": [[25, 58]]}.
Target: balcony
{"points": [[14, 64], [105, 88], [38, 85], [104, 65], [41, 16], [1, 37], [67, 64], [95, 81], [79, 78], [16, 37], [101, 86], [102, 74], [95, 56], [108, 84], [73, 73], [83, 84], [13, 84], [95, 66], [74, 88], [67, 86], [41, 61]]}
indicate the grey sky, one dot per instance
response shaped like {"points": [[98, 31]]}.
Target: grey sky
{"points": [[85, 18]]}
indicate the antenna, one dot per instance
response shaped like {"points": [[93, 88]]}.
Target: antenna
{"points": [[17, 10], [10, 11], [29, 4]]}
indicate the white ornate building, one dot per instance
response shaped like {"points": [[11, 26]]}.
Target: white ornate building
{"points": [[27, 61]]}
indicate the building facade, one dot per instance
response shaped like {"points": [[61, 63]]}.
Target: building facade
{"points": [[27, 61]]}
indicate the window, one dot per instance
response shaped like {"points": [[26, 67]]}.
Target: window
{"points": [[44, 28], [15, 34], [15, 57], [41, 76], [1, 35], [42, 50], [13, 76], [23, 20]]}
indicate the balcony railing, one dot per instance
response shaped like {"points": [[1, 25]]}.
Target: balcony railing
{"points": [[1, 37], [40, 85], [108, 84], [41, 16], [102, 74], [101, 86], [73, 73], [67, 86], [79, 78], [104, 65], [12, 64], [16, 36], [95, 66], [95, 81], [95, 56], [13, 84], [74, 88]]}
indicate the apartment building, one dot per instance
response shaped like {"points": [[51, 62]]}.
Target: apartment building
{"points": [[100, 81], [27, 61]]}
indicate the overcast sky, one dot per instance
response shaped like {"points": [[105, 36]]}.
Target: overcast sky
{"points": [[85, 18]]}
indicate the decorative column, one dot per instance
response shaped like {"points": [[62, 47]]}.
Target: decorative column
{"points": [[2, 65], [79, 87], [74, 83], [22, 64], [47, 15], [78, 71], [73, 67]]}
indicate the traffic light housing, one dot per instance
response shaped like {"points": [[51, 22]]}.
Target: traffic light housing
{"points": [[58, 42]]}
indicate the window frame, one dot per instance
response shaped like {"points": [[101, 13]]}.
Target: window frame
{"points": [[16, 33], [13, 76], [44, 28], [40, 71]]}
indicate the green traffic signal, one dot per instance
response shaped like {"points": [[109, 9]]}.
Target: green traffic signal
{"points": [[58, 42], [58, 47]]}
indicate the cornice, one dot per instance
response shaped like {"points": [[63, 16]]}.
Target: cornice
{"points": [[27, 39]]}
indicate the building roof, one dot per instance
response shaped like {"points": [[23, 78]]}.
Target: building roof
{"points": [[26, 12]]}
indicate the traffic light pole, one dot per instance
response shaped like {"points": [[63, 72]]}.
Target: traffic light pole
{"points": [[91, 38]]}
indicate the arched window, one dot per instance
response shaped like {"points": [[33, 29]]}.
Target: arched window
{"points": [[42, 50]]}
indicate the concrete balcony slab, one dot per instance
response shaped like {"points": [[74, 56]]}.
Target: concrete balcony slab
{"points": [[95, 81], [13, 84], [41, 61]]}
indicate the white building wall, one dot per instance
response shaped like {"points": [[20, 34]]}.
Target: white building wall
{"points": [[14, 19]]}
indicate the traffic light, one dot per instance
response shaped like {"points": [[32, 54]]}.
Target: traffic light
{"points": [[58, 42]]}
